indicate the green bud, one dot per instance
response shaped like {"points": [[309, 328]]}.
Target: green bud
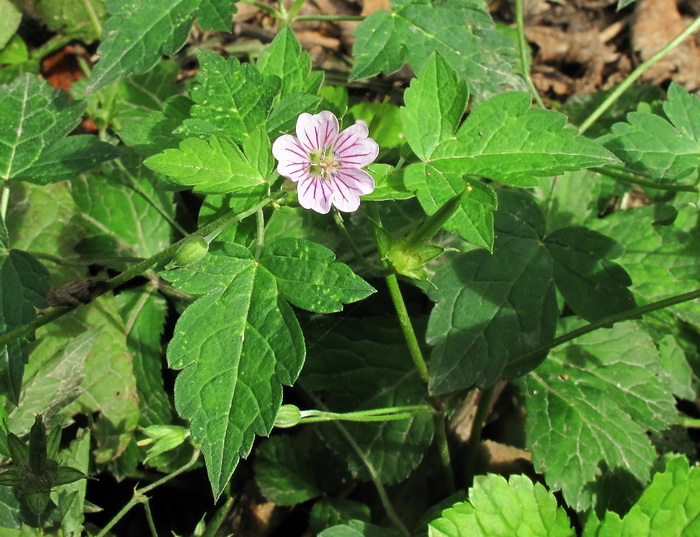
{"points": [[287, 416], [194, 249], [37, 446]]}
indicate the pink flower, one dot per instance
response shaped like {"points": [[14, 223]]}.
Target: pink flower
{"points": [[325, 164]]}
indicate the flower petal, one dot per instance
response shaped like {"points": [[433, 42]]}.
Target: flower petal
{"points": [[354, 148], [293, 160], [318, 130], [315, 193], [358, 180]]}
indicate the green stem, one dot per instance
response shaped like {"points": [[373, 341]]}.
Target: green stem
{"points": [[371, 415], [4, 200], [259, 232], [218, 519], [522, 48], [626, 177], [607, 322], [51, 315], [149, 517], [328, 18], [139, 494], [294, 10], [475, 436], [373, 474], [94, 20], [52, 45], [82, 263], [269, 9], [338, 219], [444, 451], [634, 75], [687, 421]]}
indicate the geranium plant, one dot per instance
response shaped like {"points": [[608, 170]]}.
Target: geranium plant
{"points": [[257, 276]]}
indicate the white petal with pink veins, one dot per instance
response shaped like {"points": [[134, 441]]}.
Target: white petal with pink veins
{"points": [[292, 158], [317, 131], [315, 193], [353, 147]]}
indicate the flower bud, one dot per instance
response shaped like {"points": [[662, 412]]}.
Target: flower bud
{"points": [[194, 249], [287, 416]]}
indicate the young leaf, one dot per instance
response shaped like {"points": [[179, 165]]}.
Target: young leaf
{"points": [[137, 34], [493, 308], [71, 497], [24, 284], [463, 33], [283, 473], [668, 507], [34, 118], [11, 16], [438, 96], [213, 166], [357, 528], [500, 508], [76, 18], [593, 286], [329, 511], [650, 144], [507, 140], [216, 15], [593, 401], [308, 277], [363, 365], [231, 98], [237, 345]]}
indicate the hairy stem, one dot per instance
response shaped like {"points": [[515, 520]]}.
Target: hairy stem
{"points": [[626, 177], [372, 415], [329, 18], [634, 75], [475, 436], [522, 50]]}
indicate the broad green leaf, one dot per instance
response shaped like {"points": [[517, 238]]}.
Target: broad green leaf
{"points": [[669, 507], [284, 113], [507, 140], [237, 345], [66, 158], [473, 219], [258, 150], [230, 98], [593, 286], [137, 34], [24, 284], [384, 120], [461, 31], [216, 15], [213, 166], [361, 365], [388, 183], [592, 402], [124, 215], [214, 207], [667, 151], [308, 276], [71, 498], [54, 385], [15, 52], [34, 117], [285, 59], [661, 260], [500, 508], [283, 473], [332, 511], [11, 16], [79, 19], [357, 528], [435, 104], [143, 313], [493, 308]]}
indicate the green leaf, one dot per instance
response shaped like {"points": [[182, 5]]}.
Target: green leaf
{"points": [[34, 118], [283, 473], [493, 308], [234, 366], [473, 219], [79, 19], [54, 384], [507, 140], [384, 120], [15, 52], [285, 59], [231, 98], [213, 166], [11, 16], [137, 34], [667, 508], [361, 365], [597, 397], [216, 15], [308, 276], [389, 183], [357, 528], [71, 498], [593, 286], [67, 158], [661, 260], [500, 508], [462, 32], [143, 313], [258, 150], [623, 3], [437, 95], [330, 511], [24, 284], [284, 113]]}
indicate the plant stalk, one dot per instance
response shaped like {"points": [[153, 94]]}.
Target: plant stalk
{"points": [[522, 48]]}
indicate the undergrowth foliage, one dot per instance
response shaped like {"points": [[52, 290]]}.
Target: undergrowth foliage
{"points": [[221, 227]]}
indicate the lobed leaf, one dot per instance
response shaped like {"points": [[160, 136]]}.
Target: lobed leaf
{"points": [[592, 402], [500, 508], [216, 15], [80, 19]]}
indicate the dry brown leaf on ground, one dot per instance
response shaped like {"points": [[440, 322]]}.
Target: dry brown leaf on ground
{"points": [[655, 23]]}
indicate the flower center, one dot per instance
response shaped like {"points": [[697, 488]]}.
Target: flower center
{"points": [[323, 163]]}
